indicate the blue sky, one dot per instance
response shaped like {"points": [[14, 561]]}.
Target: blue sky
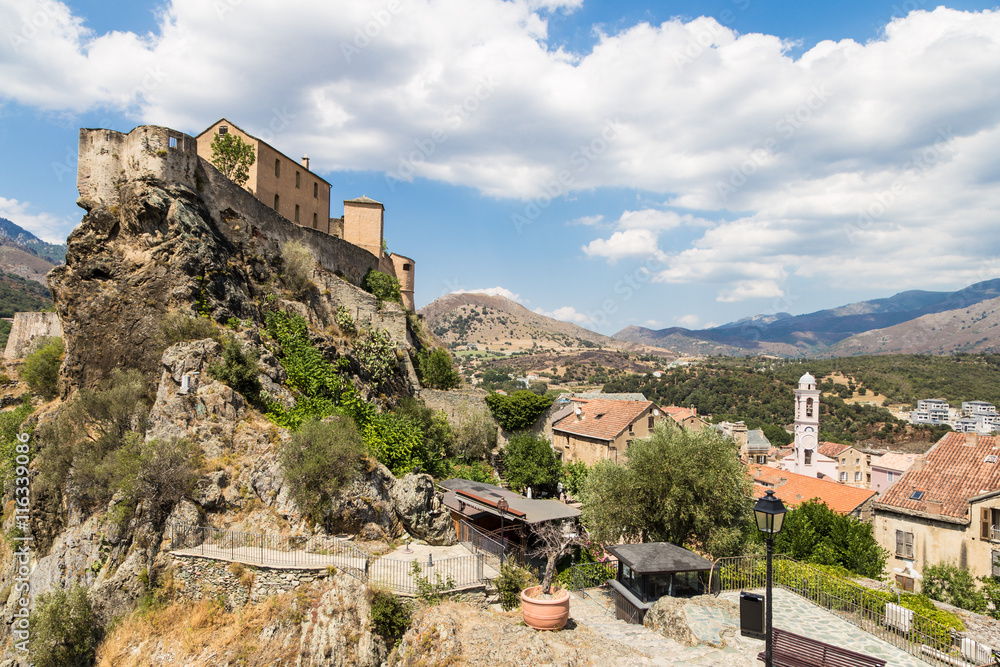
{"points": [[657, 164]]}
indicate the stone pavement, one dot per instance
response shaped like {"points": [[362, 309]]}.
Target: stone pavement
{"points": [[798, 615], [791, 612]]}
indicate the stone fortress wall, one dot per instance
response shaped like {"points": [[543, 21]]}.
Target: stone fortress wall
{"points": [[108, 159], [27, 328]]}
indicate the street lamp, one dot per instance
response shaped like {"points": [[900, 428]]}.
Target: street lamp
{"points": [[502, 505], [770, 514]]}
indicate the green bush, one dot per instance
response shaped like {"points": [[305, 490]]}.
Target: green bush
{"points": [[318, 460], [475, 436], [509, 584], [949, 583], [41, 367], [177, 327], [346, 321], [383, 286], [390, 616], [574, 477], [238, 369], [64, 631], [530, 461], [519, 410], [377, 355], [477, 471], [436, 369], [10, 426], [158, 472]]}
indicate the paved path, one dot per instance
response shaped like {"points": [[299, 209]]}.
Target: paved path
{"points": [[798, 615]]}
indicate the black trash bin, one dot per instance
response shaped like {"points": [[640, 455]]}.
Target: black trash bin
{"points": [[752, 615]]}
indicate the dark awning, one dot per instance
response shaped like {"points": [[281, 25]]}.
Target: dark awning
{"points": [[659, 557]]}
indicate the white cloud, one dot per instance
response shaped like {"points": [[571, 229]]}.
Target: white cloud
{"points": [[44, 226], [628, 243], [492, 291], [790, 154], [587, 220], [567, 314], [653, 324], [751, 289], [689, 321]]}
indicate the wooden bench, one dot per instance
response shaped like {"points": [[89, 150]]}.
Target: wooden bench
{"points": [[791, 650]]}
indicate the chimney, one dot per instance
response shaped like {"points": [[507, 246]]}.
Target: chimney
{"points": [[918, 464], [972, 439], [305, 161]]}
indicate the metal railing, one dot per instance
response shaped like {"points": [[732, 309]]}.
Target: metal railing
{"points": [[488, 545], [866, 608], [322, 551]]}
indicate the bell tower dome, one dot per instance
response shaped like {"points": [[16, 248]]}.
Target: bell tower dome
{"points": [[806, 425]]}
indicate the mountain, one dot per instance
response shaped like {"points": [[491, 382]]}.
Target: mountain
{"points": [[51, 252], [815, 333], [496, 322]]}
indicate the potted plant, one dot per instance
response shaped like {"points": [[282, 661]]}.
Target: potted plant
{"points": [[544, 607]]}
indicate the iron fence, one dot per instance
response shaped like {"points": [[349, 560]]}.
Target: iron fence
{"points": [[871, 610], [322, 551], [485, 545]]}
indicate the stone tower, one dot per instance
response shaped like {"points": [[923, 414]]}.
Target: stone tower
{"points": [[806, 425]]}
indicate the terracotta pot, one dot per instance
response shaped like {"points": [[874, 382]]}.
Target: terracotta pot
{"points": [[545, 614]]}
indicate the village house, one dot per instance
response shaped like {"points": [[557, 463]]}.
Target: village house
{"points": [[303, 197], [794, 489], [686, 418], [601, 429], [754, 445], [945, 508], [853, 465], [888, 468]]}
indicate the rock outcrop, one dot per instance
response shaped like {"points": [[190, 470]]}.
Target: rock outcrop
{"points": [[419, 507]]}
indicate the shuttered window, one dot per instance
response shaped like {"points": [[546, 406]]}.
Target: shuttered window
{"points": [[984, 524], [904, 544]]}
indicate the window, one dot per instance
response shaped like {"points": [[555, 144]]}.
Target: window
{"points": [[890, 476], [868, 478], [406, 267], [172, 142], [904, 544], [857, 462], [649, 422], [223, 129], [989, 523], [905, 583], [275, 202], [843, 462], [277, 168], [808, 455], [843, 477], [315, 190], [809, 407], [762, 458], [630, 430], [857, 476], [298, 178], [296, 213], [315, 225], [917, 495], [995, 568]]}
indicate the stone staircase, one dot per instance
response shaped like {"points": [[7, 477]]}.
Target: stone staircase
{"points": [[657, 649]]}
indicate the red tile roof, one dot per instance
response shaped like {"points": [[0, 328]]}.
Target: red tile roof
{"points": [[602, 419], [955, 469], [797, 489], [832, 449]]}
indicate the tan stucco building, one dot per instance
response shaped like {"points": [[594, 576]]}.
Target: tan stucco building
{"points": [[946, 507], [600, 429], [303, 197]]}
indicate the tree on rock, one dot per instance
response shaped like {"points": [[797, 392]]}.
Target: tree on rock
{"points": [[233, 157], [684, 487]]}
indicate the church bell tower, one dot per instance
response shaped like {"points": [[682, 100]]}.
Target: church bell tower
{"points": [[806, 425]]}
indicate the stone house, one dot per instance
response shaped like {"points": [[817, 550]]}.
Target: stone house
{"points": [[303, 197], [686, 418], [854, 466], [601, 429], [945, 508]]}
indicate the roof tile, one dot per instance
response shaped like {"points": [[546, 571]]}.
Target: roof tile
{"points": [[602, 419]]}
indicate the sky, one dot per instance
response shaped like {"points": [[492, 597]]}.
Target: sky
{"points": [[609, 164]]}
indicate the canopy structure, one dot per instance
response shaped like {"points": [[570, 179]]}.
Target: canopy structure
{"points": [[647, 572]]}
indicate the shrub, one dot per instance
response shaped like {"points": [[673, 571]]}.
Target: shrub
{"points": [[238, 369], [64, 631], [574, 477], [390, 616], [519, 410], [949, 583], [431, 592], [510, 583], [298, 267], [476, 471], [383, 286], [377, 356], [41, 367], [346, 321], [160, 472], [177, 327], [436, 369], [319, 459], [475, 435], [530, 461]]}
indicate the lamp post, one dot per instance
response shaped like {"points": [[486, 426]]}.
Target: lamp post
{"points": [[502, 505], [770, 514]]}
